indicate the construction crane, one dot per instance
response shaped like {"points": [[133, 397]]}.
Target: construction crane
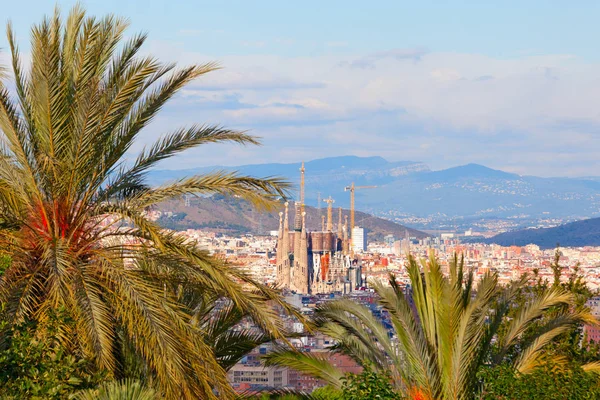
{"points": [[351, 189]]}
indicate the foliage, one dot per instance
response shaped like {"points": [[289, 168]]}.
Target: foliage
{"points": [[571, 344], [5, 262], [444, 329], [368, 385], [219, 322], [327, 393], [72, 211], [36, 366], [124, 390], [547, 382], [280, 396]]}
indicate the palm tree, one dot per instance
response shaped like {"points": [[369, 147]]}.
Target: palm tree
{"points": [[72, 208], [443, 331], [224, 329], [126, 390]]}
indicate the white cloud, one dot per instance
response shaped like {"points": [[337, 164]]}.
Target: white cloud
{"points": [[370, 60], [528, 114], [445, 75], [441, 108], [263, 112]]}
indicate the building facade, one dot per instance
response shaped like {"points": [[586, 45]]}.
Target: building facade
{"points": [[257, 377], [359, 239]]}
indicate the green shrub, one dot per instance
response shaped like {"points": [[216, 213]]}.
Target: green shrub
{"points": [[32, 368], [547, 382], [368, 385], [327, 393]]}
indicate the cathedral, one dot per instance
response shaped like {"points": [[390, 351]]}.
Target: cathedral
{"points": [[315, 262]]}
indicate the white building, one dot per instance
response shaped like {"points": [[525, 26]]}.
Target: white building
{"points": [[359, 239]]}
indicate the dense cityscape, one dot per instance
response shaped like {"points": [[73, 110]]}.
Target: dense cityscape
{"points": [[378, 259]]}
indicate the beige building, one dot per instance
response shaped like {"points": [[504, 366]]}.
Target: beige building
{"points": [[245, 377]]}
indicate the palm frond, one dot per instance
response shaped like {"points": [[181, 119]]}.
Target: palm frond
{"points": [[72, 215], [307, 363], [533, 310], [444, 329], [262, 193], [592, 367], [123, 390]]}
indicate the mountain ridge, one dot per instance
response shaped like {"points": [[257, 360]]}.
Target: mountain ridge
{"points": [[410, 193], [574, 234], [224, 214]]}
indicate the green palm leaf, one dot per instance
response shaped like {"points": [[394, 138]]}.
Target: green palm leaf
{"points": [[125, 390], [307, 363], [72, 210]]}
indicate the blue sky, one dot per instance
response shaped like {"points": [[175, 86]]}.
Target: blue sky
{"points": [[514, 85]]}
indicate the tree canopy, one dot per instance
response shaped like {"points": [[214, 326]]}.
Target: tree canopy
{"points": [[73, 206]]}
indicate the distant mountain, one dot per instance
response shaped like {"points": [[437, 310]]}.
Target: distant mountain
{"points": [[329, 170], [231, 215], [328, 176], [410, 190], [574, 234], [469, 171]]}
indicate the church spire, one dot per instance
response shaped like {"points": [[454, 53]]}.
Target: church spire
{"points": [[284, 262], [298, 217], [329, 202], [280, 224], [286, 226], [300, 204], [302, 187]]}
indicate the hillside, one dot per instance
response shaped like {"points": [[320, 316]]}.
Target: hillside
{"points": [[327, 176], [574, 234], [408, 191], [231, 215]]}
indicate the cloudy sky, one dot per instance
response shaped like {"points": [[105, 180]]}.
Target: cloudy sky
{"points": [[513, 85]]}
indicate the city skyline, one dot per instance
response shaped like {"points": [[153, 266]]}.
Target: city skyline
{"points": [[446, 85]]}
